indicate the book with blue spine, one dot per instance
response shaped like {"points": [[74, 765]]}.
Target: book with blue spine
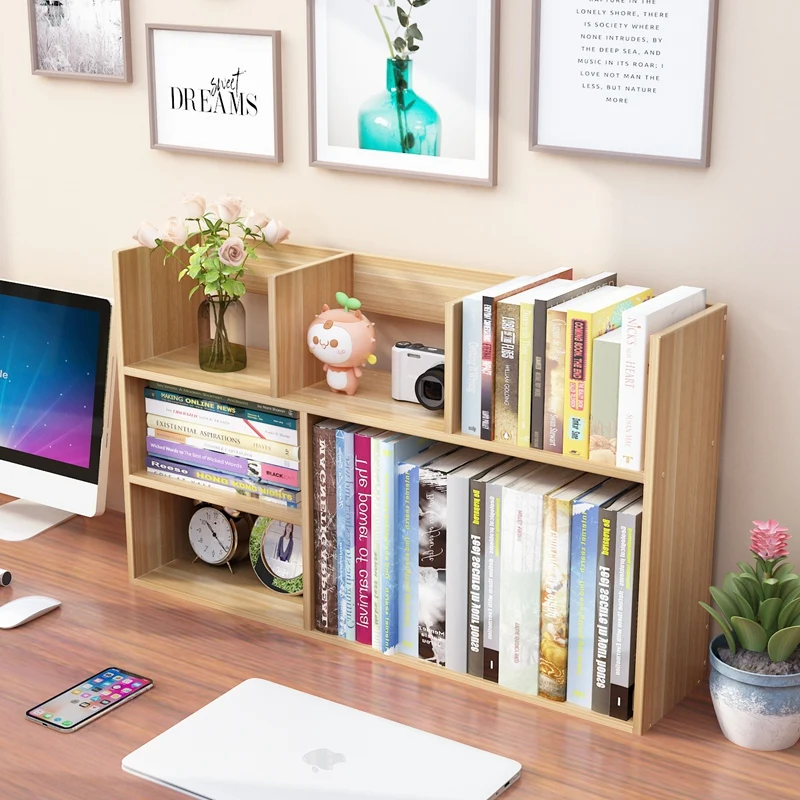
{"points": [[345, 526], [582, 589]]}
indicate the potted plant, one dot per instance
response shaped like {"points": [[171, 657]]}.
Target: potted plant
{"points": [[755, 662], [220, 240]]}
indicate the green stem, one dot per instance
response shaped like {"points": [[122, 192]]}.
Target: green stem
{"points": [[385, 32]]}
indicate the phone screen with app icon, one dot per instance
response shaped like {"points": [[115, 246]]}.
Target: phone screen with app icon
{"points": [[91, 698]]}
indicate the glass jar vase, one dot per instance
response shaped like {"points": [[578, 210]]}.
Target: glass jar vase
{"points": [[221, 334]]}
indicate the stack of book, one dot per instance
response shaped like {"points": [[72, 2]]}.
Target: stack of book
{"points": [[508, 570], [561, 365], [212, 441]]}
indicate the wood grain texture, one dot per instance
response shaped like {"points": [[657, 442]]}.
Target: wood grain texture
{"points": [[681, 462], [195, 654], [453, 325]]}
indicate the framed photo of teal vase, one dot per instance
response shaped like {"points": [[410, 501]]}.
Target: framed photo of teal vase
{"points": [[405, 87]]}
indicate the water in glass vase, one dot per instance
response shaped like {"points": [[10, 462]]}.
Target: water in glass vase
{"points": [[399, 120], [222, 337]]}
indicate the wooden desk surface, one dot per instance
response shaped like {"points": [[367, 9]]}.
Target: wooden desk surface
{"points": [[194, 655]]}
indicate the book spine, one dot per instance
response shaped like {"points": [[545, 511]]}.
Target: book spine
{"points": [[376, 545], [554, 381], [326, 606], [386, 566], [493, 561], [487, 368], [524, 396], [583, 575], [175, 475], [578, 385], [222, 422], [347, 481], [226, 437], [267, 409], [471, 350], [408, 561], [623, 651], [555, 600], [263, 490], [604, 613], [458, 507], [219, 407], [632, 380], [506, 376], [432, 565], [475, 577], [538, 391], [362, 471], [216, 447], [605, 403], [341, 537]]}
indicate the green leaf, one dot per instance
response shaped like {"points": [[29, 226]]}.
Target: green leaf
{"points": [[745, 609], [212, 276], [783, 569], [191, 294], [194, 271], [787, 584], [750, 634], [341, 299], [788, 612], [399, 44], [783, 643], [402, 16], [768, 614], [794, 593], [353, 304], [745, 567], [182, 274], [419, 3], [726, 603], [729, 584], [770, 587], [413, 48], [752, 584], [414, 32], [723, 623]]}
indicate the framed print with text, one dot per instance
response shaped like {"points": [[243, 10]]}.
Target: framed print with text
{"points": [[624, 78], [215, 91], [88, 39], [405, 87]]}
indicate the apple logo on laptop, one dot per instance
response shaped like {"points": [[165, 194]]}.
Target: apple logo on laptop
{"points": [[324, 759]]}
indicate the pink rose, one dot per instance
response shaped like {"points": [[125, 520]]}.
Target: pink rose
{"points": [[275, 232], [195, 205], [174, 231], [232, 252], [256, 221], [229, 208], [147, 235]]}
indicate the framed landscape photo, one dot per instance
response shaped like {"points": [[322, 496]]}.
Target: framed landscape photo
{"points": [[628, 79], [405, 87], [87, 39], [215, 91]]}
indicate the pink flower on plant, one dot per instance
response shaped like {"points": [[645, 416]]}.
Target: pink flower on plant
{"points": [[232, 252], [769, 539]]}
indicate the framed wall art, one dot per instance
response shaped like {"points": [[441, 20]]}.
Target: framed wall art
{"points": [[87, 39], [215, 91], [405, 87], [630, 80]]}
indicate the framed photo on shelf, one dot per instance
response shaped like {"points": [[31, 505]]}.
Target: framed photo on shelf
{"points": [[89, 39], [633, 80], [215, 91], [405, 87]]}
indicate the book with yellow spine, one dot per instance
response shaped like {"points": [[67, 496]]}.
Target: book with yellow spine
{"points": [[584, 325]]}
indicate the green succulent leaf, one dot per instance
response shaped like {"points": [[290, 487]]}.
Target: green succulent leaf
{"points": [[753, 584], [788, 612], [745, 567], [726, 603], [768, 614], [770, 587], [750, 634], [723, 623], [729, 583], [783, 643], [787, 584], [793, 594], [402, 15], [745, 609], [783, 569]]}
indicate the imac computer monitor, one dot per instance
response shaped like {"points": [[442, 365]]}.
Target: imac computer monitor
{"points": [[56, 389]]}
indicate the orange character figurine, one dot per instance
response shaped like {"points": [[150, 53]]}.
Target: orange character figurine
{"points": [[343, 339]]}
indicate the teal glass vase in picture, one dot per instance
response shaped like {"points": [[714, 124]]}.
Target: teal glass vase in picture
{"points": [[399, 120]]}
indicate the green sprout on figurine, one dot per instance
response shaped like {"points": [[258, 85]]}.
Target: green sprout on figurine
{"points": [[347, 303]]}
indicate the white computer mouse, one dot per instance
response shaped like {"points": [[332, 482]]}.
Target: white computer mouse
{"points": [[24, 609]]}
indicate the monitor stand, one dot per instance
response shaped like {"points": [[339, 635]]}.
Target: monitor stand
{"points": [[21, 520]]}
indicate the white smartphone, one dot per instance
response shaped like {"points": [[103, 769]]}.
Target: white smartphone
{"points": [[89, 700]]}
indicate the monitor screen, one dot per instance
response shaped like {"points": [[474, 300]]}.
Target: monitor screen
{"points": [[53, 371]]}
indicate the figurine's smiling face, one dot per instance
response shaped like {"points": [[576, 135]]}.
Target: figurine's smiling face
{"points": [[329, 342]]}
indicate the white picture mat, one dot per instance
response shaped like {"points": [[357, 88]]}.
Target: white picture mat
{"points": [[191, 59], [478, 167], [668, 124]]}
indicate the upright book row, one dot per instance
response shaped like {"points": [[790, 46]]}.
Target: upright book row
{"points": [[561, 365], [511, 571]]}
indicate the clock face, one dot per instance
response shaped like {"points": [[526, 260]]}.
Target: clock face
{"points": [[211, 536]]}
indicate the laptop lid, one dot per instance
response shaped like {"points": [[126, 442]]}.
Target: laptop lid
{"points": [[263, 741]]}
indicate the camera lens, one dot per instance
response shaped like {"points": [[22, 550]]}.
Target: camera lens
{"points": [[429, 388]]}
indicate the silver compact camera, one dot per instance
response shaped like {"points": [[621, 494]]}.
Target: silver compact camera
{"points": [[418, 375]]}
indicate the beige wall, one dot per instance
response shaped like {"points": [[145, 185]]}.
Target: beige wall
{"points": [[77, 175]]}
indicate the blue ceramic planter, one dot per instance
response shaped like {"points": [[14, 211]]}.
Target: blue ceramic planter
{"points": [[760, 712]]}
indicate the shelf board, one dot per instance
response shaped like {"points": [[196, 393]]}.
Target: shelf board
{"points": [[238, 593], [180, 368], [218, 497], [478, 683]]}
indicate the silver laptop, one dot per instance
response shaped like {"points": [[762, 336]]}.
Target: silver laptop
{"points": [[263, 741]]}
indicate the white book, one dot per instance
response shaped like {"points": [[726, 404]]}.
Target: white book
{"points": [[638, 325], [457, 558], [377, 530]]}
